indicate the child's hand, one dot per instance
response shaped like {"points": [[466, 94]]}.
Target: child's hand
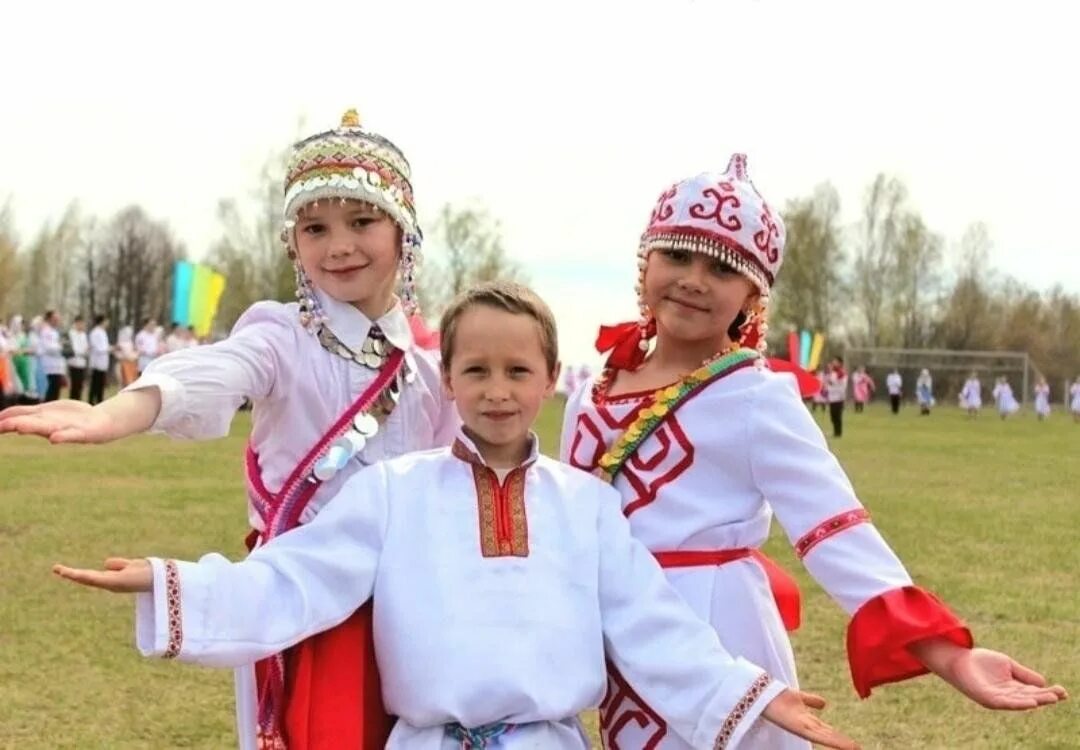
{"points": [[791, 711], [76, 422], [990, 678], [121, 576], [60, 421]]}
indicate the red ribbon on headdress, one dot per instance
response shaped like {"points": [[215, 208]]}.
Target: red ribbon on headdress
{"points": [[624, 342]]}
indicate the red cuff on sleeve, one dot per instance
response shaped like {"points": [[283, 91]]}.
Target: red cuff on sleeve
{"points": [[881, 630]]}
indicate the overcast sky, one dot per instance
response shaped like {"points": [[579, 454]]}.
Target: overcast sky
{"points": [[564, 119]]}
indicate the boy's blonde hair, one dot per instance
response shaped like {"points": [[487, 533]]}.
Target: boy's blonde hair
{"points": [[510, 297]]}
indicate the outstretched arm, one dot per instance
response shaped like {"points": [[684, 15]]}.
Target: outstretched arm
{"points": [[218, 613], [898, 630], [67, 421]]}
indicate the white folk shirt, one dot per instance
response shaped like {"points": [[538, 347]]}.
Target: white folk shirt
{"points": [[709, 478], [51, 351], [496, 602], [99, 349], [80, 347], [893, 383], [835, 387]]}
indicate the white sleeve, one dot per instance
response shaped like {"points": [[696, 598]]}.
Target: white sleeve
{"points": [[673, 659], [303, 582], [793, 468], [202, 387]]}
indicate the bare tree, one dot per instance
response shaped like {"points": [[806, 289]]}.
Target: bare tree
{"points": [[134, 268], [468, 249], [964, 318], [249, 253], [10, 272], [811, 288], [916, 280], [875, 259]]}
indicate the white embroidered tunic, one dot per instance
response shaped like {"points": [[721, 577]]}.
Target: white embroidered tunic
{"points": [[495, 602]]}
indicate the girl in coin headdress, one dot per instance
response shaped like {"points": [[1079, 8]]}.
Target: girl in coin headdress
{"points": [[705, 443], [337, 380]]}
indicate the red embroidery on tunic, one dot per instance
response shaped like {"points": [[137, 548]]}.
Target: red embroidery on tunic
{"points": [[829, 528], [172, 605], [738, 713], [661, 459], [620, 707], [588, 433], [504, 529], [674, 454]]}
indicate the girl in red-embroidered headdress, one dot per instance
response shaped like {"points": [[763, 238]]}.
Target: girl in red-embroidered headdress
{"points": [[705, 443], [345, 376]]}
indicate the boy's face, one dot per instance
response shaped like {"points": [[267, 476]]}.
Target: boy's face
{"points": [[498, 377], [350, 251]]}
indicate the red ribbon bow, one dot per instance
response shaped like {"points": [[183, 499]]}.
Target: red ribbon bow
{"points": [[624, 342]]}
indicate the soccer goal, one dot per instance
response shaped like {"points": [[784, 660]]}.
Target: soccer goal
{"points": [[953, 364]]}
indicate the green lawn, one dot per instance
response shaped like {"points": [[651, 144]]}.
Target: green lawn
{"points": [[985, 513]]}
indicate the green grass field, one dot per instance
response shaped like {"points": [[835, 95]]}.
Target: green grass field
{"points": [[984, 513]]}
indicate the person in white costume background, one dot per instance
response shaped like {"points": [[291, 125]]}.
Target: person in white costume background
{"points": [[1042, 398], [350, 350], [704, 444], [971, 395], [502, 577]]}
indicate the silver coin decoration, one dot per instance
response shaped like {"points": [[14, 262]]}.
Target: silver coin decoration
{"points": [[366, 425]]}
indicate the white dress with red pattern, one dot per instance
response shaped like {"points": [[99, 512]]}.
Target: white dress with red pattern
{"points": [[708, 480]]}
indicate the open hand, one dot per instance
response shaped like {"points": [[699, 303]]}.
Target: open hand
{"points": [[994, 680], [121, 576], [60, 421], [791, 711]]}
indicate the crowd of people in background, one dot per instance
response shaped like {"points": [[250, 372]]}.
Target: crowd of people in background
{"points": [[42, 358], [834, 394]]}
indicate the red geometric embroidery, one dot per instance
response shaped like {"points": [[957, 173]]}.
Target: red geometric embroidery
{"points": [[829, 528], [587, 433], [585, 430], [620, 707], [172, 606], [738, 713], [647, 472], [674, 454]]}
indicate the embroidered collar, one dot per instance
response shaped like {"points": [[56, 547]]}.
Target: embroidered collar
{"points": [[465, 450]]}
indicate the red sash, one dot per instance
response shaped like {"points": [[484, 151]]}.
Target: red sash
{"points": [[785, 589], [323, 693]]}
